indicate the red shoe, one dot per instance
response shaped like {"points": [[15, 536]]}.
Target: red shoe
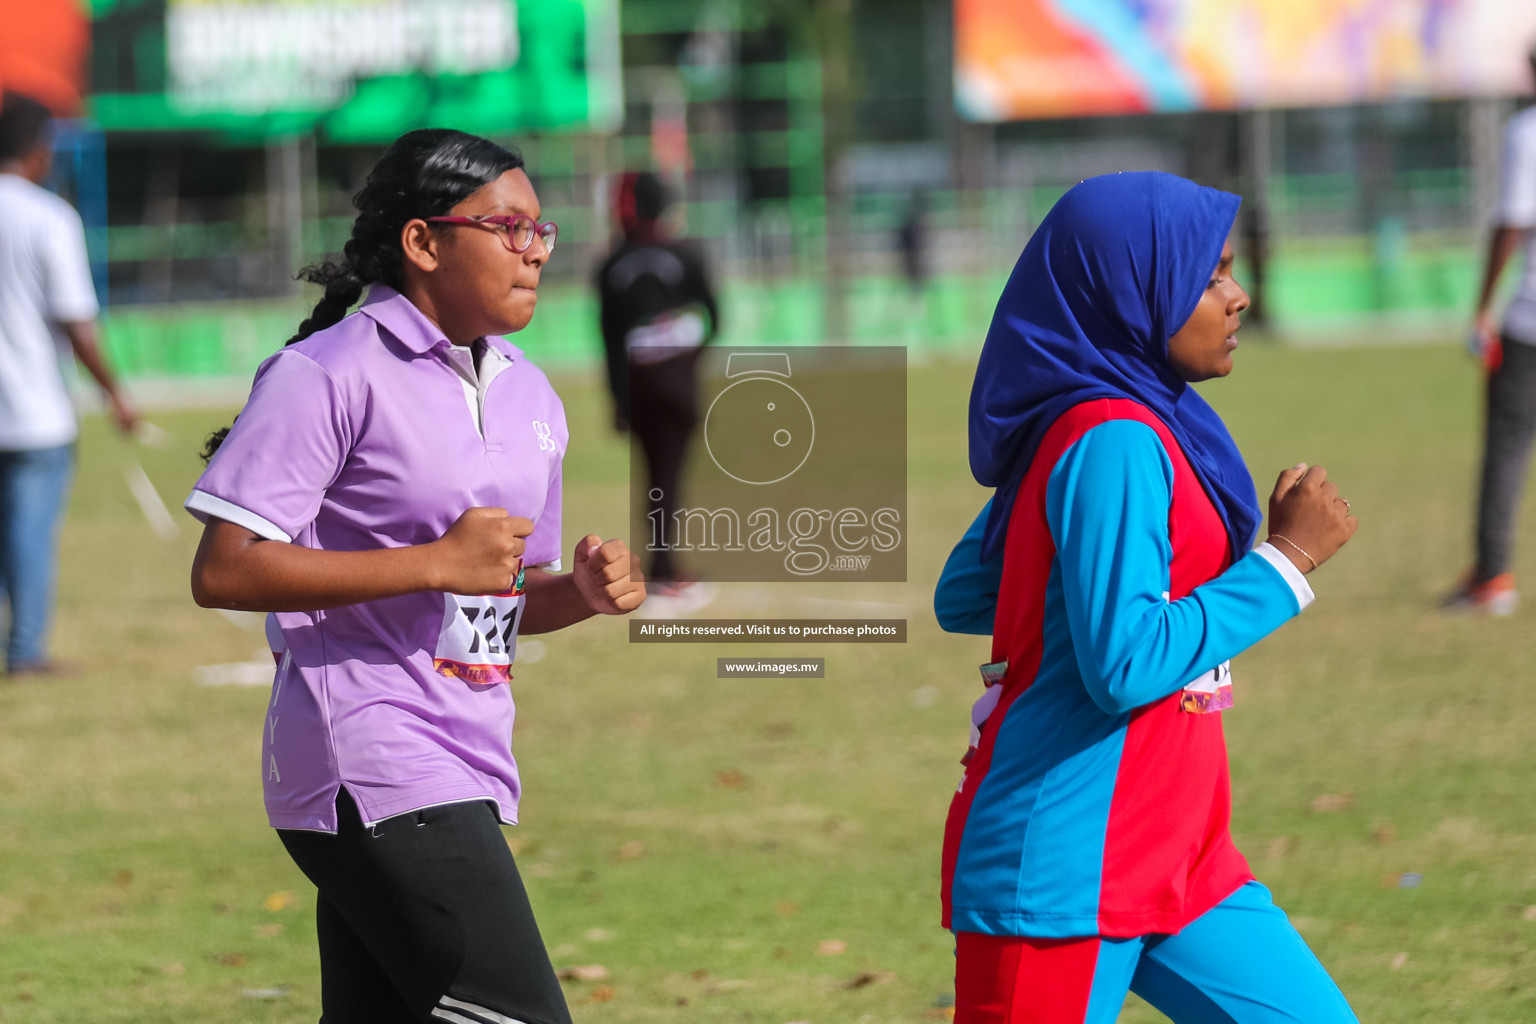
{"points": [[1496, 596]]}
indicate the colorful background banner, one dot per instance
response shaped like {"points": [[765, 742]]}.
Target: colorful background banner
{"points": [[1018, 59]]}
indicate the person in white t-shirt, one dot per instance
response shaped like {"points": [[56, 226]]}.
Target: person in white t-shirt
{"points": [[47, 310], [1509, 354]]}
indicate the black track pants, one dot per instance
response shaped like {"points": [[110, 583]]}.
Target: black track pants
{"points": [[1508, 430], [423, 920]]}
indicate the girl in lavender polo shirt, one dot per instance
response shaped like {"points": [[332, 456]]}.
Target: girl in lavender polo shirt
{"points": [[391, 494]]}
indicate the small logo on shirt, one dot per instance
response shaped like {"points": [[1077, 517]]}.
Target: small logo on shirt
{"points": [[546, 442]]}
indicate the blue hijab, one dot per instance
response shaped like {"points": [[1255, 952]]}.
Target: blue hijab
{"points": [[1113, 271]]}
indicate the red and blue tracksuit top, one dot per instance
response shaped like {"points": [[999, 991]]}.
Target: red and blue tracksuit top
{"points": [[1096, 799]]}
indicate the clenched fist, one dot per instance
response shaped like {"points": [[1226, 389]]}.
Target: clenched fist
{"points": [[481, 553], [608, 576], [1307, 518]]}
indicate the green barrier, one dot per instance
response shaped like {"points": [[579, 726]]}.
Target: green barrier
{"points": [[1353, 284], [1360, 280], [197, 340]]}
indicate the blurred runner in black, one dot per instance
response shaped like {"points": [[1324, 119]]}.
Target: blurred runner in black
{"points": [[658, 311]]}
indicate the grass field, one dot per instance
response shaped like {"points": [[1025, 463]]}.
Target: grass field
{"points": [[766, 851]]}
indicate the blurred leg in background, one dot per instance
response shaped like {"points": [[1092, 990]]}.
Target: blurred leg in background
{"points": [[1508, 431], [34, 487], [664, 410]]}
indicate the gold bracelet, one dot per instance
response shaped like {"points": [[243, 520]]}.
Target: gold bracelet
{"points": [[1298, 547]]}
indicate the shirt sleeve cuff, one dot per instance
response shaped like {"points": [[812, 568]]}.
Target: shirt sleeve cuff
{"points": [[75, 312], [1288, 571], [202, 505], [547, 566]]}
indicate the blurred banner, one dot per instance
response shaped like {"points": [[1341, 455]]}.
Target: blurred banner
{"points": [[1018, 59], [359, 70], [260, 57], [42, 51]]}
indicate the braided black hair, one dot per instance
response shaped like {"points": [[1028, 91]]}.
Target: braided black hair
{"points": [[424, 173]]}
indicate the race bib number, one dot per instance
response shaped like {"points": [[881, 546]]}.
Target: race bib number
{"points": [[478, 639], [1210, 692]]}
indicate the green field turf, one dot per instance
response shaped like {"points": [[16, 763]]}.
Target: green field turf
{"points": [[767, 851]]}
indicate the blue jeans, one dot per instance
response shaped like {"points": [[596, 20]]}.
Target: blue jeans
{"points": [[34, 486]]}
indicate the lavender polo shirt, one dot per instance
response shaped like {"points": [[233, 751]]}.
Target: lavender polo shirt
{"points": [[378, 433]]}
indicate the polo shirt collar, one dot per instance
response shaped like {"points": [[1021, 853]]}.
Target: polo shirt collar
{"points": [[399, 316]]}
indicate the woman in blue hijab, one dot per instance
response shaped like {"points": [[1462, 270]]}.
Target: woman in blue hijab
{"points": [[1087, 851]]}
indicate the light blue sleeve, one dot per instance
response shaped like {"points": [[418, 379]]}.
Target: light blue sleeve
{"points": [[1107, 504], [965, 600]]}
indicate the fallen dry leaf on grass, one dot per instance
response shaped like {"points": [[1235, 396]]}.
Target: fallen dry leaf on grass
{"points": [[1384, 833], [786, 908], [268, 931], [1279, 847], [585, 972], [174, 970], [1325, 803], [1398, 961], [630, 850], [946, 1013], [1529, 913], [230, 960], [597, 935], [602, 994], [730, 779], [831, 947], [866, 979], [279, 901], [123, 879]]}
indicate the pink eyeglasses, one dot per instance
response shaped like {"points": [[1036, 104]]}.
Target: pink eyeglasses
{"points": [[517, 231]]}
